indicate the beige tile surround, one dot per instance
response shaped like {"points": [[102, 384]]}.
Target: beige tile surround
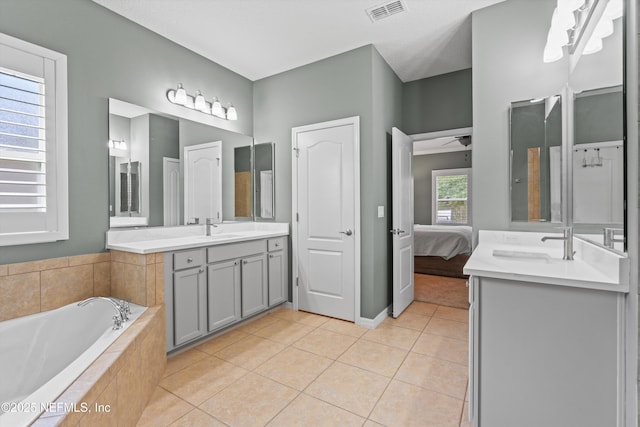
{"points": [[35, 286], [126, 374]]}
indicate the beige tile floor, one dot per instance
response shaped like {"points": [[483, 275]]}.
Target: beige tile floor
{"points": [[292, 368]]}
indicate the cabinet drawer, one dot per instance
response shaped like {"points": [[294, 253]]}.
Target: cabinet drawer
{"points": [[276, 244], [187, 259], [235, 250]]}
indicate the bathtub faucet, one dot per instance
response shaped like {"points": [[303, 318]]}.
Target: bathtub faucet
{"points": [[117, 319], [123, 306]]}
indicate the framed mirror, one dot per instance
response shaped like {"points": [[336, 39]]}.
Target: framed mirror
{"points": [[156, 143]]}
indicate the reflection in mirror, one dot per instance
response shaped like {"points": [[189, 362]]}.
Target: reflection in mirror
{"points": [[157, 141], [535, 144], [598, 150], [264, 181], [242, 181]]}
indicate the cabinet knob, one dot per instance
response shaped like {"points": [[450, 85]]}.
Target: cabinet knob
{"points": [[236, 263], [245, 262], [189, 260], [270, 255], [277, 244], [201, 270]]}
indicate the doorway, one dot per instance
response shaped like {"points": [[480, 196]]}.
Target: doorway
{"points": [[326, 218]]}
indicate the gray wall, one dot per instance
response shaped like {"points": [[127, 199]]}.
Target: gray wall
{"points": [[355, 83], [423, 165], [437, 103], [507, 45], [109, 56], [163, 142], [598, 117]]}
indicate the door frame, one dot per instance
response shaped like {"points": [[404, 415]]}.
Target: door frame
{"points": [[355, 122]]}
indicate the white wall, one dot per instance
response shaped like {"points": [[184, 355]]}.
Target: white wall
{"points": [[508, 41]]}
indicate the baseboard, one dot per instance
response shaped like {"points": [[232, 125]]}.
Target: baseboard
{"points": [[373, 323]]}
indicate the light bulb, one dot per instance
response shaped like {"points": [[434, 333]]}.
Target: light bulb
{"points": [[613, 10], [181, 95], [232, 114], [216, 108], [200, 103], [563, 19], [111, 143], [557, 37], [552, 53], [604, 28], [593, 45]]}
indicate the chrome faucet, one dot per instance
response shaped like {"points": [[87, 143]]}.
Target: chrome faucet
{"points": [[567, 236], [609, 236], [118, 319], [208, 225]]}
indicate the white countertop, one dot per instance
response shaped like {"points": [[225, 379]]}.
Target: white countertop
{"points": [[164, 239], [593, 267]]}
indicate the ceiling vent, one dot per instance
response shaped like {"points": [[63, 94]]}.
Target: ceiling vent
{"points": [[385, 10]]}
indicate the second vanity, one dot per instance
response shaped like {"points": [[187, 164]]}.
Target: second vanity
{"points": [[213, 281], [546, 336]]}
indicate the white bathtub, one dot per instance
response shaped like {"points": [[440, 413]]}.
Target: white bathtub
{"points": [[42, 354]]}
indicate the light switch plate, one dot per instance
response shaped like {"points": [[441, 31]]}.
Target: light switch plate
{"points": [[380, 211]]}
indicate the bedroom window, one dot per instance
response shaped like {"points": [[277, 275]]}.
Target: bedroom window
{"points": [[451, 196], [33, 143]]}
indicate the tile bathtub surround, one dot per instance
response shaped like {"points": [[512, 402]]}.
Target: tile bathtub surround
{"points": [[138, 278], [326, 372], [31, 287], [120, 381]]}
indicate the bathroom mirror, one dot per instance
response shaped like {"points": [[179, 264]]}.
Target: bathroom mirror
{"points": [[535, 152], [254, 183], [157, 142], [263, 177], [567, 151], [598, 135]]}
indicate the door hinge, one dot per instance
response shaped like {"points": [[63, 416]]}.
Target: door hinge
{"points": [[297, 217], [297, 282], [218, 215], [297, 150]]}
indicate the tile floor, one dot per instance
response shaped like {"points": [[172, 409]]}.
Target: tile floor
{"points": [[292, 368]]}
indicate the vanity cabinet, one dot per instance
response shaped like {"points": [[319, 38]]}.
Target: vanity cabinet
{"points": [[189, 296], [544, 355], [214, 287], [278, 267]]}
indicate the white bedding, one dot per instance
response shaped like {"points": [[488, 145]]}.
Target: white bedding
{"points": [[445, 241]]}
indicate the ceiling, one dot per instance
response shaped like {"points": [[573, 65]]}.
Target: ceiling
{"points": [[260, 38]]}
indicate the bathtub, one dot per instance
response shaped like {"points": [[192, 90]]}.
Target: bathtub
{"points": [[42, 354]]}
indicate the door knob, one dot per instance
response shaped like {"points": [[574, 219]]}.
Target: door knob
{"points": [[348, 232]]}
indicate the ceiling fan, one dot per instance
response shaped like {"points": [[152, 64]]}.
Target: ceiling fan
{"points": [[464, 140]]}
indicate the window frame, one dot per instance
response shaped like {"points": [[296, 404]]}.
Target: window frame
{"points": [[434, 193], [56, 220]]}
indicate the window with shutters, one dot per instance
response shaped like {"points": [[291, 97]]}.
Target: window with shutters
{"points": [[33, 144]]}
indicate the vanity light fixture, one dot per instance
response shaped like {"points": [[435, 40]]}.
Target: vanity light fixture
{"points": [[180, 96], [569, 21], [118, 144]]}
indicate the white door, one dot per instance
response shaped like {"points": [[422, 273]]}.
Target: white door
{"points": [[171, 191], [402, 188], [203, 182], [326, 215]]}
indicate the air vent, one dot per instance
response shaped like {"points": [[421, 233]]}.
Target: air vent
{"points": [[385, 10]]}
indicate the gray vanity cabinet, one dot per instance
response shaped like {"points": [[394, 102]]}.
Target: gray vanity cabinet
{"points": [[254, 284], [223, 286], [544, 355], [278, 264], [188, 296]]}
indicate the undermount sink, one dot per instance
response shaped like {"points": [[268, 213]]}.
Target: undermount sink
{"points": [[522, 255]]}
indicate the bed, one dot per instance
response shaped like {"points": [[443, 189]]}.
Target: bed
{"points": [[441, 250]]}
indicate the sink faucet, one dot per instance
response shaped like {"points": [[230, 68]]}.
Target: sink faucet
{"points": [[567, 236], [120, 310], [609, 236], [209, 224]]}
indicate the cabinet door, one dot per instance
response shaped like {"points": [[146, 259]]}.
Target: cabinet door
{"points": [[254, 284], [189, 308], [223, 284], [277, 277]]}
